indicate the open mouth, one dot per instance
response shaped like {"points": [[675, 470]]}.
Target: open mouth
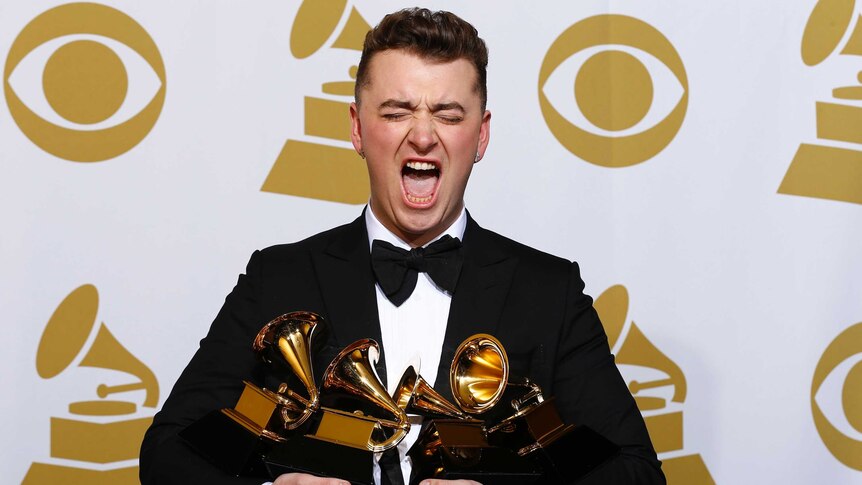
{"points": [[419, 179]]}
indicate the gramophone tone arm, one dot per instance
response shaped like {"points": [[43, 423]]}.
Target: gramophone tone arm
{"points": [[532, 397], [105, 390], [401, 430]]}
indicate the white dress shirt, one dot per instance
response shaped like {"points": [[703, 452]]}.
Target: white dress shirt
{"points": [[414, 331]]}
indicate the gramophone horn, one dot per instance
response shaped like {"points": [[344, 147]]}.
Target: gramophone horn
{"points": [[316, 21], [65, 337], [415, 396], [352, 384], [479, 373], [286, 340]]}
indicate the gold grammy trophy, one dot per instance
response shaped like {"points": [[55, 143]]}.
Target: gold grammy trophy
{"points": [[357, 418], [454, 444], [659, 393], [333, 431], [237, 439], [326, 167], [822, 170], [530, 445], [416, 396], [453, 440], [102, 435], [531, 425]]}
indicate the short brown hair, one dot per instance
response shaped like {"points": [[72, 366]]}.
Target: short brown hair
{"points": [[438, 36]]}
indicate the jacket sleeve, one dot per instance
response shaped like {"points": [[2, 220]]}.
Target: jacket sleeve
{"points": [[212, 380], [590, 391]]}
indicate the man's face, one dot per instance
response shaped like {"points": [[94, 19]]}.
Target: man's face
{"points": [[420, 125]]}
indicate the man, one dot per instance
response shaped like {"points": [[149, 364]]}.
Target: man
{"points": [[420, 122]]}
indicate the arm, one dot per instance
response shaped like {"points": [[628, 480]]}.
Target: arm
{"points": [[212, 380], [591, 391]]}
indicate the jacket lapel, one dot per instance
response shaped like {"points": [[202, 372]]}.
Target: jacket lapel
{"points": [[347, 288], [477, 303]]}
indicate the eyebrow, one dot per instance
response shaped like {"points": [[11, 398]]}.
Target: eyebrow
{"points": [[394, 103], [448, 107], [400, 104]]}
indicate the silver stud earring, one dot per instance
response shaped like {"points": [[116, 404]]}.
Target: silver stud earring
{"points": [[476, 160]]}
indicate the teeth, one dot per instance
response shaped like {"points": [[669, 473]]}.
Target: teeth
{"points": [[421, 166], [418, 200]]}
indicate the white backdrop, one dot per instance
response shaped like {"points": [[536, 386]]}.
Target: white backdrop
{"points": [[749, 296]]}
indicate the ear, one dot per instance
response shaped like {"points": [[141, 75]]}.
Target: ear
{"points": [[356, 129], [484, 135]]}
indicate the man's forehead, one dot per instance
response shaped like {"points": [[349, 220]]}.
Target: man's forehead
{"points": [[415, 55], [396, 70]]}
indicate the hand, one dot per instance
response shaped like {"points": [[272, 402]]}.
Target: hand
{"points": [[432, 481], [305, 479]]}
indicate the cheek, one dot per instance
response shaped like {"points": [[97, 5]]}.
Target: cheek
{"points": [[461, 143], [460, 173], [376, 172], [382, 138], [383, 178]]}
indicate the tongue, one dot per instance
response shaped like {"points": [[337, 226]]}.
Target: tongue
{"points": [[420, 184]]}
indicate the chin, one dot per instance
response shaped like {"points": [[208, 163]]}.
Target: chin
{"points": [[421, 224]]}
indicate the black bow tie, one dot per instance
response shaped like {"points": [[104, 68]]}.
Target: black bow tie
{"points": [[397, 269]]}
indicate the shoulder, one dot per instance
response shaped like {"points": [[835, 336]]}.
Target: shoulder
{"points": [[335, 239], [493, 244], [318, 241]]}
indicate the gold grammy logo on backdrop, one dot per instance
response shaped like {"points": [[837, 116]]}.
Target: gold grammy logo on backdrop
{"points": [[95, 444], [836, 397], [324, 167], [84, 82], [625, 119], [822, 170], [658, 386]]}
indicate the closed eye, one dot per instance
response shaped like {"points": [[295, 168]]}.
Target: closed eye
{"points": [[394, 116], [450, 117]]}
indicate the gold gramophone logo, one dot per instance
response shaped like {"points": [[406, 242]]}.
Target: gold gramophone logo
{"points": [[836, 397], [324, 166], [832, 167], [658, 386], [84, 82], [613, 90], [96, 442]]}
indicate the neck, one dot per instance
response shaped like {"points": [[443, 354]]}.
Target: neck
{"points": [[418, 240], [415, 240]]}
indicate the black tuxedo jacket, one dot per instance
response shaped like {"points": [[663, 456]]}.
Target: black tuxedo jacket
{"points": [[533, 302]]}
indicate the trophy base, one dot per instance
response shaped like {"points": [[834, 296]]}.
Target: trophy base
{"points": [[230, 445], [565, 453], [307, 454], [455, 449], [498, 466], [572, 455]]}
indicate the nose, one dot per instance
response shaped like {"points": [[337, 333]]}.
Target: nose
{"points": [[422, 136]]}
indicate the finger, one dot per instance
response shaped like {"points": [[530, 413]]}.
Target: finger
{"points": [[449, 482], [305, 479]]}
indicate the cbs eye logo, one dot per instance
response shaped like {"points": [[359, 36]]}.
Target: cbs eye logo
{"points": [[613, 114], [836, 397], [84, 82]]}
